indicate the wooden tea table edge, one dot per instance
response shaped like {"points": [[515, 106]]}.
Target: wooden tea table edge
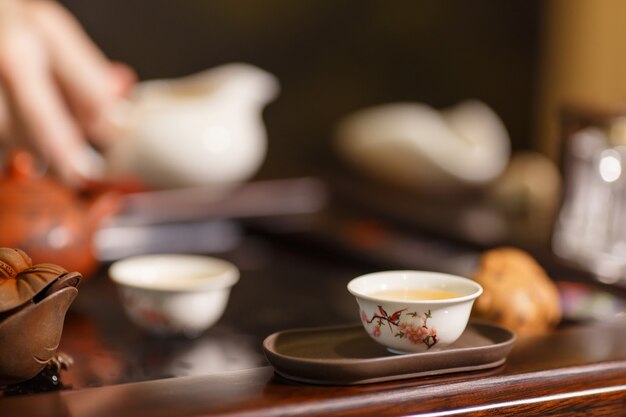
{"points": [[580, 370]]}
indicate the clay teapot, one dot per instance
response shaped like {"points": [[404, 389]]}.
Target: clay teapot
{"points": [[48, 220], [33, 303]]}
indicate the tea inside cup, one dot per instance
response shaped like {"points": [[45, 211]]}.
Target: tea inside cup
{"points": [[414, 311]]}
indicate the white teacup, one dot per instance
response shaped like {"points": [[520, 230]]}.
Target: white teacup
{"points": [[414, 311], [174, 294]]}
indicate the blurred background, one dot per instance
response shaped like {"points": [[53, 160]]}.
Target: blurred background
{"points": [[523, 58], [334, 57], [526, 60]]}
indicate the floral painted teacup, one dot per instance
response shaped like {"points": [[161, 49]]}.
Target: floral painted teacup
{"points": [[414, 311]]}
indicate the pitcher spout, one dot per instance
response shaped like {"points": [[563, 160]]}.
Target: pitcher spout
{"points": [[238, 81]]}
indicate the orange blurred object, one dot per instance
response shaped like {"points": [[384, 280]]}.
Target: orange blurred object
{"points": [[47, 219]]}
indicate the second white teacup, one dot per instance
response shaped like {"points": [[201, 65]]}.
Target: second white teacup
{"points": [[174, 294]]}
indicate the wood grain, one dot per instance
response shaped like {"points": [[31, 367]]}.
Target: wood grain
{"points": [[552, 377]]}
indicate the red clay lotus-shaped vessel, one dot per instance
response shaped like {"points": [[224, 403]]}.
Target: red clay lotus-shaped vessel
{"points": [[33, 303]]}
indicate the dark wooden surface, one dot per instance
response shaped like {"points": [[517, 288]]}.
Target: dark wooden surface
{"points": [[578, 370]]}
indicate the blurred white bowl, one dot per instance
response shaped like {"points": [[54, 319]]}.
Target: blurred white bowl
{"points": [[174, 294], [412, 144]]}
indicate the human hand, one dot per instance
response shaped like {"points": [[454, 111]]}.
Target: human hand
{"points": [[56, 87]]}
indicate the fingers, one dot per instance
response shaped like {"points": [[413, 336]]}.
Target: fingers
{"points": [[124, 78], [10, 13], [6, 122], [56, 85], [91, 84], [109, 124], [40, 107]]}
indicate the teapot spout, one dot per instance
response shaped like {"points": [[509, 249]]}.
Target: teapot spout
{"points": [[71, 280]]}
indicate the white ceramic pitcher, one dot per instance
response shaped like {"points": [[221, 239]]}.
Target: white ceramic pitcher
{"points": [[203, 129]]}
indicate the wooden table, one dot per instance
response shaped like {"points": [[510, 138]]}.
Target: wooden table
{"points": [[578, 370]]}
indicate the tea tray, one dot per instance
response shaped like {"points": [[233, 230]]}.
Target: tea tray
{"points": [[346, 355]]}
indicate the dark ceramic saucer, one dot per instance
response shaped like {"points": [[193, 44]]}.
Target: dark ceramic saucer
{"points": [[346, 355]]}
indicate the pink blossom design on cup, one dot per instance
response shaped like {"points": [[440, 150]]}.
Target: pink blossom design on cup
{"points": [[415, 333]]}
